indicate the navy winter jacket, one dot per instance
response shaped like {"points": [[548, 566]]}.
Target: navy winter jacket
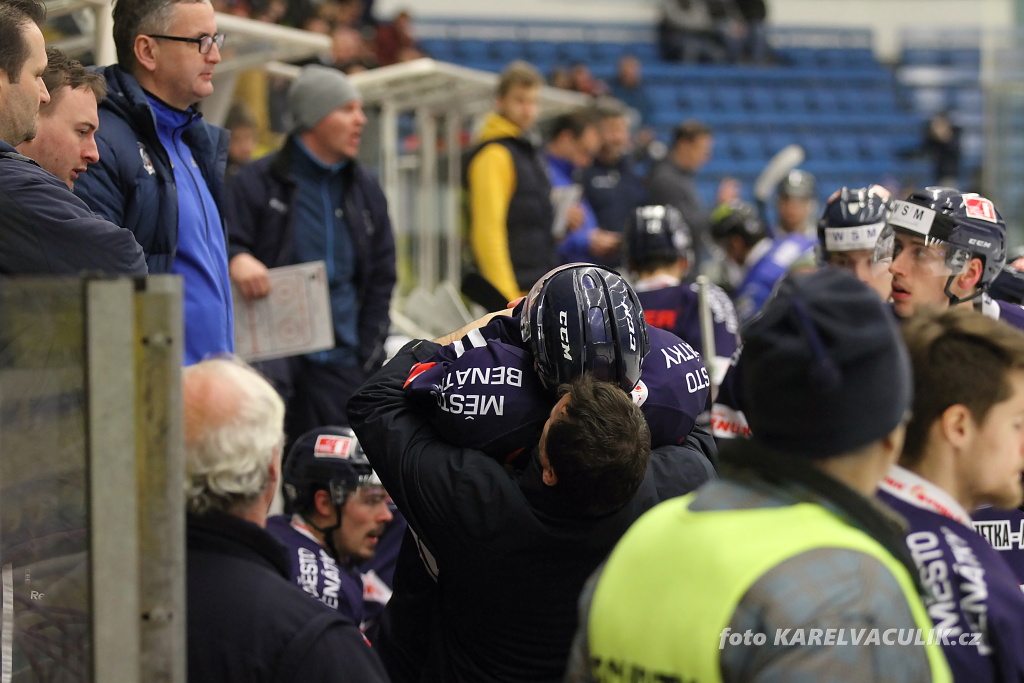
{"points": [[49, 231], [133, 183]]}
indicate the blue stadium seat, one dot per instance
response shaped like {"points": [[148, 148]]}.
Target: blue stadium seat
{"points": [[440, 49], [542, 52], [508, 50]]}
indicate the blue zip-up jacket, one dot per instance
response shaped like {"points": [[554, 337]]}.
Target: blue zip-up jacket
{"points": [[133, 185], [260, 213], [49, 231]]}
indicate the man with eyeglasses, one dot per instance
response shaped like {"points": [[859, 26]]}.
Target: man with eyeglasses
{"points": [[161, 168]]}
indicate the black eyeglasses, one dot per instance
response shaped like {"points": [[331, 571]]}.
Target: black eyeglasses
{"points": [[205, 43]]}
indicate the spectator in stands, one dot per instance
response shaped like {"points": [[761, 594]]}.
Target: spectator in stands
{"points": [[244, 136], [395, 41], [47, 230], [560, 77], [246, 620], [161, 167], [687, 32], [573, 142], [628, 86], [942, 145], [610, 185], [755, 14], [310, 201], [65, 141], [672, 181], [583, 81], [510, 213]]}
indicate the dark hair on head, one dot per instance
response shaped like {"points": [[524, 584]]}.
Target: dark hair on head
{"points": [[599, 448], [15, 15], [690, 130], [63, 72], [239, 116], [575, 122], [133, 18], [959, 357]]}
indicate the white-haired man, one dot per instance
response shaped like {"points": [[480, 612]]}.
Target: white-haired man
{"points": [[233, 436]]}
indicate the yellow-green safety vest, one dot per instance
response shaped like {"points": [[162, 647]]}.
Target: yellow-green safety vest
{"points": [[672, 585]]}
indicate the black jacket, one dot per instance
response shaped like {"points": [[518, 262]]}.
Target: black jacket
{"points": [[47, 230], [258, 211], [248, 623], [512, 559]]}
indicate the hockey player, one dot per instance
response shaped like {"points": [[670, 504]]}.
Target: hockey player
{"points": [[660, 251], [483, 391], [339, 512], [848, 230], [943, 248], [756, 262], [795, 204], [964, 447]]}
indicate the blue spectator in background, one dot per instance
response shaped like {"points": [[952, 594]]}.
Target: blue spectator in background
{"points": [[573, 143]]}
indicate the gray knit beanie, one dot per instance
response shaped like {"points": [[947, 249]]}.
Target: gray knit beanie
{"points": [[317, 92]]}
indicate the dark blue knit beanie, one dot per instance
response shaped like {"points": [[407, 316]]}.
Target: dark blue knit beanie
{"points": [[824, 367]]}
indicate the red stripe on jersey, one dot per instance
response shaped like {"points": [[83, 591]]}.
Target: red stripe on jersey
{"points": [[417, 370]]}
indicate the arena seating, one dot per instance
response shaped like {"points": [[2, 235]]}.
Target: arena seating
{"points": [[857, 122]]}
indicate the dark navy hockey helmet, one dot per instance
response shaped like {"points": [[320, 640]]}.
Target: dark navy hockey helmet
{"points": [[585, 318], [797, 183], [657, 233], [853, 219], [966, 223], [736, 218], [327, 458]]}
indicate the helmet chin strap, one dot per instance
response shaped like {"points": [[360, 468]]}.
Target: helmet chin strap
{"points": [[953, 298], [328, 532]]}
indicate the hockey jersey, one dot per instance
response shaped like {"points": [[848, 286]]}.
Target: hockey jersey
{"points": [[973, 597], [673, 306], [315, 571], [760, 280], [482, 391]]}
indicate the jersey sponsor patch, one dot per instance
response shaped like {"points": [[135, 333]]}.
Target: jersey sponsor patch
{"points": [[640, 393], [979, 207], [333, 446]]}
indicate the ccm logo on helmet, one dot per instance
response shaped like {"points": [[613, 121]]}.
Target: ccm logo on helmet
{"points": [[563, 333], [979, 243]]}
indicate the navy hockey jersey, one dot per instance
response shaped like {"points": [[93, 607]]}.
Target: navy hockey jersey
{"points": [[973, 596], [483, 392], [1004, 529], [673, 306], [315, 571]]}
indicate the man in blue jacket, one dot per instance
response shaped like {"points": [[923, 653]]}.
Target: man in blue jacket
{"points": [[313, 201], [47, 229], [161, 168]]}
